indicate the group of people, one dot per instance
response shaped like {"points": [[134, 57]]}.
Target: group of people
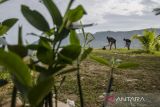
{"points": [[112, 41]]}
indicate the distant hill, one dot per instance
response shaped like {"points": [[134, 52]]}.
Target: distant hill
{"points": [[100, 37]]}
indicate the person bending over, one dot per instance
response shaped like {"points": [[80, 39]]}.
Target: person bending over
{"points": [[111, 42], [128, 43]]}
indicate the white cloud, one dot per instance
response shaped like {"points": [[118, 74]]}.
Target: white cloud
{"points": [[98, 12], [156, 1], [97, 9], [125, 7]]}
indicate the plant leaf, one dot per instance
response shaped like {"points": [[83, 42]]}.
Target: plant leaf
{"points": [[54, 11], [69, 53], [76, 14], [45, 53], [63, 59], [74, 38], [39, 91], [20, 40], [32, 47], [38, 68], [86, 53], [16, 67], [99, 59], [7, 25], [50, 32], [19, 50], [62, 35], [89, 37], [35, 18]]}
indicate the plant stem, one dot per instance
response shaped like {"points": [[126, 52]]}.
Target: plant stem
{"points": [[110, 82], [14, 93], [56, 96], [84, 35], [46, 101], [50, 99], [108, 90], [79, 85]]}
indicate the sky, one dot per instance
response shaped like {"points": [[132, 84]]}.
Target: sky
{"points": [[113, 15]]}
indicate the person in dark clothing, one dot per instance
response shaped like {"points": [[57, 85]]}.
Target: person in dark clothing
{"points": [[128, 43], [111, 42]]}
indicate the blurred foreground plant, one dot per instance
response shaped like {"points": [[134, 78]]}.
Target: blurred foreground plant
{"points": [[5, 26], [36, 78]]}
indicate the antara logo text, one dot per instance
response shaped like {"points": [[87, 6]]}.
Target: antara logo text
{"points": [[113, 99]]}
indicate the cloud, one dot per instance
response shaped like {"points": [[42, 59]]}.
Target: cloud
{"points": [[156, 1], [97, 9], [108, 14]]}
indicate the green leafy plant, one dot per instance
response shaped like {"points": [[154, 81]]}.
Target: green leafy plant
{"points": [[157, 40], [157, 43], [36, 79], [148, 40], [113, 64]]}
